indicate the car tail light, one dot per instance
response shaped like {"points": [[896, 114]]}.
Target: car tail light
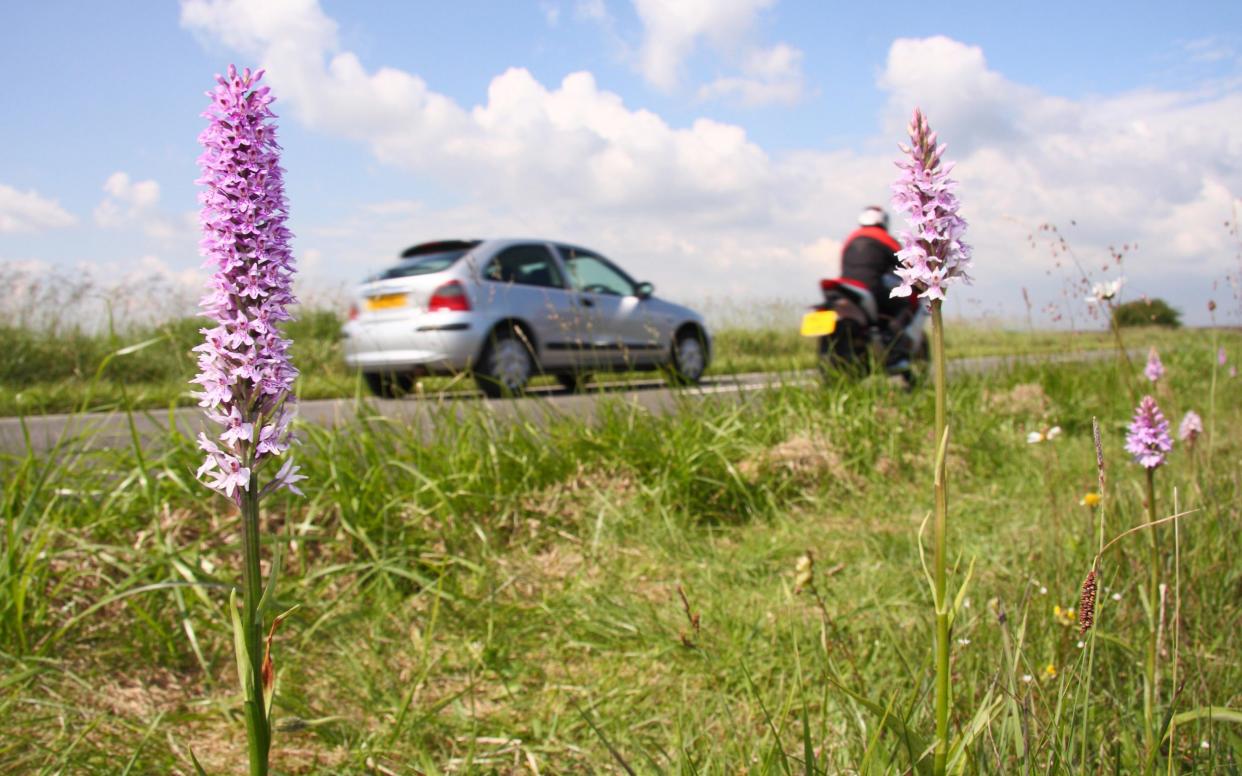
{"points": [[353, 312], [450, 296]]}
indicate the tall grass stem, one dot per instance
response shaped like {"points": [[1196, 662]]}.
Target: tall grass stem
{"points": [[1098, 441]]}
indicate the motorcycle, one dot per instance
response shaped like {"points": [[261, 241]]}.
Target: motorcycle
{"points": [[853, 337]]}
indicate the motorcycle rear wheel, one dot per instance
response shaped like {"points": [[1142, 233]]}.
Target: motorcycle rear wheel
{"points": [[845, 350], [920, 365]]}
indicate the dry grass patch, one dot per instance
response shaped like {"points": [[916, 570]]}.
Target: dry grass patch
{"points": [[580, 495], [802, 459], [1025, 399]]}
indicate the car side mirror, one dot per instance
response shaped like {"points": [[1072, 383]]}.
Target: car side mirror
{"points": [[644, 290]]}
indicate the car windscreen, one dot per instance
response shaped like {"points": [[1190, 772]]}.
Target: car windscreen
{"points": [[424, 264]]}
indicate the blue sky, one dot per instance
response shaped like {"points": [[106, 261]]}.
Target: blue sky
{"points": [[720, 148]]}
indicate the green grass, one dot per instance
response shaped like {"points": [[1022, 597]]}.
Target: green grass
{"points": [[504, 596], [60, 369]]}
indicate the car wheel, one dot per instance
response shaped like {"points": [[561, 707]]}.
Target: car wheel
{"points": [[506, 365], [389, 385], [573, 382], [689, 358]]}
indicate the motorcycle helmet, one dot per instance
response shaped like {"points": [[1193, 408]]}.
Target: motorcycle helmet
{"points": [[873, 215]]}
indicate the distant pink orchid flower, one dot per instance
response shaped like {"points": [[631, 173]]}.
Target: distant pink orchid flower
{"points": [[1191, 427], [1155, 369]]}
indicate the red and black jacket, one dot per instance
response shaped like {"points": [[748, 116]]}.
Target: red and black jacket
{"points": [[868, 255]]}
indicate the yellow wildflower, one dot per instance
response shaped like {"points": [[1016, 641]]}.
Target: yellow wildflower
{"points": [[1091, 499], [1050, 671]]}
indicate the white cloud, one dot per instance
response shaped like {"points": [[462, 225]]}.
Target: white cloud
{"points": [[771, 76], [704, 209], [672, 30], [1193, 227], [27, 211], [573, 143], [129, 203], [972, 105], [254, 27], [551, 13], [126, 201], [592, 10], [1151, 167], [1210, 49]]}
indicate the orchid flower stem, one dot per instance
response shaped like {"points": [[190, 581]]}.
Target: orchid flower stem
{"points": [[1151, 696], [257, 728], [939, 558]]}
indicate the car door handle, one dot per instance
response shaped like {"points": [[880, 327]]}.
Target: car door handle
{"points": [[586, 301]]}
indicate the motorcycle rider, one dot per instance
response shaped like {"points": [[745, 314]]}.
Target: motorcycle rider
{"points": [[869, 255]]}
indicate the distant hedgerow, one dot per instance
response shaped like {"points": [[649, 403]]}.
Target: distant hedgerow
{"points": [[1147, 312]]}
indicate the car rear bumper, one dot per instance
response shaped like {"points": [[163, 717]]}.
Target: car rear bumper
{"points": [[431, 344]]}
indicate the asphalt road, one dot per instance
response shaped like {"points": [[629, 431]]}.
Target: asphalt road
{"points": [[112, 429]]}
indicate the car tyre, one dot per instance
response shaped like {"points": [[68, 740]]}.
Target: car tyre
{"points": [[506, 365], [573, 382], [689, 358], [389, 385]]}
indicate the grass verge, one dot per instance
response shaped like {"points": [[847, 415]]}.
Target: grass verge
{"points": [[505, 597]]}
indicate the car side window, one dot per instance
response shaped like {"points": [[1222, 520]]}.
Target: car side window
{"points": [[524, 265], [596, 275]]}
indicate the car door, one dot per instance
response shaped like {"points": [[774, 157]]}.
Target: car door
{"points": [[615, 323], [524, 281]]}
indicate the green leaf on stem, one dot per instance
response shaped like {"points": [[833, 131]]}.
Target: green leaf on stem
{"points": [[244, 676], [269, 591], [961, 593], [269, 669], [125, 351], [931, 584]]}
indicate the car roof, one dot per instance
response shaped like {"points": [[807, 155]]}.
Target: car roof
{"points": [[491, 243], [438, 246]]}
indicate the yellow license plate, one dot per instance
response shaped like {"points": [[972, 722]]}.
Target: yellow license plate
{"points": [[819, 323], [386, 302]]}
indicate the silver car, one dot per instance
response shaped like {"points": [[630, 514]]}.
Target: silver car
{"points": [[508, 310]]}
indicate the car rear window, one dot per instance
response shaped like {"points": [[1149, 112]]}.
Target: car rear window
{"points": [[424, 264]]}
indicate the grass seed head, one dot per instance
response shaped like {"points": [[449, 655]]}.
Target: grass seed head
{"points": [[804, 572], [1086, 603]]}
